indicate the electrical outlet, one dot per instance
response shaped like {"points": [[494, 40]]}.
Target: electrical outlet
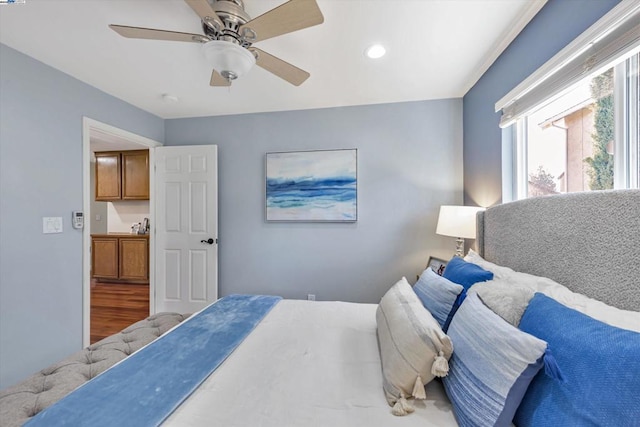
{"points": [[311, 297]]}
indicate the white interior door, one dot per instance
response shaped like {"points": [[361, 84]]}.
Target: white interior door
{"points": [[186, 262]]}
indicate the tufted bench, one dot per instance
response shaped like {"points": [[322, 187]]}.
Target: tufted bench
{"points": [[22, 401]]}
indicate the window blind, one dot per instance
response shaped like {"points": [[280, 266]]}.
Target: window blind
{"points": [[615, 37]]}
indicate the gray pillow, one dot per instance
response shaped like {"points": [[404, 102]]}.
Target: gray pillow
{"points": [[507, 299]]}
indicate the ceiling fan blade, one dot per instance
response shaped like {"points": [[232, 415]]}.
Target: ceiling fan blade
{"points": [[218, 80], [152, 34], [280, 68], [204, 10], [291, 16]]}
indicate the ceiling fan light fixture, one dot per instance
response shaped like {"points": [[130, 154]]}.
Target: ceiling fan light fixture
{"points": [[229, 59], [375, 51]]}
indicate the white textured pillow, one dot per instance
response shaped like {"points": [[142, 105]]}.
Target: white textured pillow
{"points": [[499, 272], [410, 340], [598, 310], [505, 298]]}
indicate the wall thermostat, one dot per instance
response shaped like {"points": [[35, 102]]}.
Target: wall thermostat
{"points": [[77, 219]]}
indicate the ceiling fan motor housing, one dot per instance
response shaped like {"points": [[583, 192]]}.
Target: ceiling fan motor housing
{"points": [[233, 16]]}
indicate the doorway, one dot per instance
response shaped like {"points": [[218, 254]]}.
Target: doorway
{"points": [[99, 136]]}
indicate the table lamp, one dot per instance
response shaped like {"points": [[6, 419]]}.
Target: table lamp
{"points": [[459, 222]]}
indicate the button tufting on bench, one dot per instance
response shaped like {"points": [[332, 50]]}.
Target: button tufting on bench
{"points": [[24, 400]]}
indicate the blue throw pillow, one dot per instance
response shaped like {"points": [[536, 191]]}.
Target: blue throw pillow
{"points": [[438, 295], [492, 365], [601, 365], [465, 273]]}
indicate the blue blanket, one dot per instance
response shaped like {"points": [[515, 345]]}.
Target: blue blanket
{"points": [[145, 388]]}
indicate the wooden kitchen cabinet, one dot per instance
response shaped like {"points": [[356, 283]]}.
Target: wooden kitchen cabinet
{"points": [[108, 176], [135, 175], [104, 257], [122, 175], [123, 257], [133, 259]]}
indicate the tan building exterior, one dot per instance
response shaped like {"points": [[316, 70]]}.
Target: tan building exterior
{"points": [[577, 124]]}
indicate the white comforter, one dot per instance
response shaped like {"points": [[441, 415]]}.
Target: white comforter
{"points": [[306, 364]]}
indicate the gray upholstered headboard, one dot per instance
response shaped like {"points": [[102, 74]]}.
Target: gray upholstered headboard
{"points": [[589, 242]]}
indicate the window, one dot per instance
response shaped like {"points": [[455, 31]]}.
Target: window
{"points": [[586, 139], [573, 125]]}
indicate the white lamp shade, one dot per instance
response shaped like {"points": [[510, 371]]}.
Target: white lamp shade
{"points": [[458, 221], [228, 57]]}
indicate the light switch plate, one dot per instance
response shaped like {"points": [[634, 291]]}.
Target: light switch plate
{"points": [[51, 224]]}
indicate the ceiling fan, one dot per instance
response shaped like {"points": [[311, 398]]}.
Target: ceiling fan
{"points": [[229, 33]]}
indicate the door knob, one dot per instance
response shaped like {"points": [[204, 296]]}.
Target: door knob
{"points": [[209, 241]]}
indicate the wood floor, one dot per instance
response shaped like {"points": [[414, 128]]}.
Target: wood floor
{"points": [[114, 306]]}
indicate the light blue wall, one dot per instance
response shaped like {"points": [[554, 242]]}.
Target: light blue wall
{"points": [[555, 26], [41, 112], [409, 163]]}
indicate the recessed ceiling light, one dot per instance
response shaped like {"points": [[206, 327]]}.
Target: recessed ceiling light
{"points": [[375, 51], [169, 98]]}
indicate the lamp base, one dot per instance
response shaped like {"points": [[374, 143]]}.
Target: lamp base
{"points": [[459, 247]]}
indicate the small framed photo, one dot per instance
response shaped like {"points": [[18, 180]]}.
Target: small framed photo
{"points": [[438, 265]]}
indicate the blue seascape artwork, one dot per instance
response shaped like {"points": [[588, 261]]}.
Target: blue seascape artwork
{"points": [[312, 186]]}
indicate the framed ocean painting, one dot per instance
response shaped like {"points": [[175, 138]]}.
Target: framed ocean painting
{"points": [[312, 186]]}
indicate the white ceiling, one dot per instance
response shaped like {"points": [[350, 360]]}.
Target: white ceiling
{"points": [[104, 141], [435, 49]]}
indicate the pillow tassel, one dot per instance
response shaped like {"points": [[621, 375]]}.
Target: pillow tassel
{"points": [[418, 389], [402, 407], [440, 367], [551, 367]]}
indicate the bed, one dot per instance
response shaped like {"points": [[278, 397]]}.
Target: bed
{"points": [[319, 363]]}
